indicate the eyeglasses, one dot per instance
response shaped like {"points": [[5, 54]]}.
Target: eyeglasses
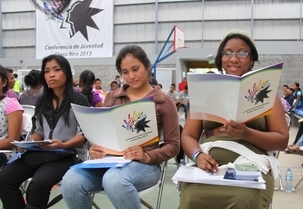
{"points": [[240, 54]]}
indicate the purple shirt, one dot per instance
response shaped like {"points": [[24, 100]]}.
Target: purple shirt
{"points": [[11, 94], [96, 99]]}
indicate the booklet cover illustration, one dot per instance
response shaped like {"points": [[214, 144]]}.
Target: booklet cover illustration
{"points": [[120, 127], [223, 97]]}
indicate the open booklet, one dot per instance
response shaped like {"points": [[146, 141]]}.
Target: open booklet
{"points": [[193, 174], [30, 144], [106, 162], [120, 127], [223, 97]]}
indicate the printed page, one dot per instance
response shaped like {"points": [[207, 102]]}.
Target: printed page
{"points": [[213, 97], [196, 175], [97, 126], [120, 127], [136, 124], [258, 92]]}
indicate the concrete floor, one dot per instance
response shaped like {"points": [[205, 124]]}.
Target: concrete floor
{"points": [[170, 198]]}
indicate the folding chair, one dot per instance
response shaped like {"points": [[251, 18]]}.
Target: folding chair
{"points": [[159, 184], [301, 174], [144, 192], [276, 154], [29, 109]]}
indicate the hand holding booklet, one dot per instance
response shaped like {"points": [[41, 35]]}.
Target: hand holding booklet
{"points": [[120, 127], [224, 97]]}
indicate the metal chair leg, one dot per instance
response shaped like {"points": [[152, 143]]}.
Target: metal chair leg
{"points": [[92, 196], [280, 184], [299, 182]]}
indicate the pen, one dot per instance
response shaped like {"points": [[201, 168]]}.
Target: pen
{"points": [[212, 170]]}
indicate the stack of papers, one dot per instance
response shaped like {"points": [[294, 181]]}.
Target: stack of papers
{"points": [[196, 175], [30, 144], [106, 162]]}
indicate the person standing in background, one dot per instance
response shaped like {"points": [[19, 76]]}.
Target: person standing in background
{"points": [[17, 85]]}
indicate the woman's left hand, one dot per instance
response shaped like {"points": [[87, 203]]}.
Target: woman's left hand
{"points": [[57, 144], [236, 130], [136, 153]]}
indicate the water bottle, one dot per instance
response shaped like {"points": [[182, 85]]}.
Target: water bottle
{"points": [[288, 181]]}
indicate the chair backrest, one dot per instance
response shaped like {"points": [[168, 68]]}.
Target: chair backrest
{"points": [[29, 109], [27, 124]]}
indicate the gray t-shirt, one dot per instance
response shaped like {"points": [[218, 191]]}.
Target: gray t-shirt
{"points": [[173, 95], [184, 96]]}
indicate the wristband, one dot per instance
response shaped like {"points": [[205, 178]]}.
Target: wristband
{"points": [[195, 155]]}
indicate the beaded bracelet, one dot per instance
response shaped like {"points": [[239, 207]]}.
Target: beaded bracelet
{"points": [[195, 155]]}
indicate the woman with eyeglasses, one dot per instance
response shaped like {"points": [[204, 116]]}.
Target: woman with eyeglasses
{"points": [[236, 55]]}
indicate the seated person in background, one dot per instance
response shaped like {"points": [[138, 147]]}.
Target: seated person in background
{"points": [[10, 117], [182, 84], [31, 95], [184, 100], [236, 55], [113, 87], [86, 82], [297, 96], [118, 80], [172, 93], [56, 122], [285, 104], [289, 96], [121, 185], [160, 86], [285, 87], [11, 82], [295, 148]]}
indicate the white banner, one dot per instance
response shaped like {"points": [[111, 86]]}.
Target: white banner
{"points": [[84, 29]]}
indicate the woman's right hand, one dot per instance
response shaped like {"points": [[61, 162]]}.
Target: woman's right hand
{"points": [[96, 152], [207, 163]]}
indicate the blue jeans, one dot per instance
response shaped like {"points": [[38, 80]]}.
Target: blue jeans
{"points": [[185, 106], [120, 185]]}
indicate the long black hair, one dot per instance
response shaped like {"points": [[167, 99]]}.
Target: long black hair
{"points": [[32, 79], [3, 75], [243, 36], [48, 93], [87, 79]]}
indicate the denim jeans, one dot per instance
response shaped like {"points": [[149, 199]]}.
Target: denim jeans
{"points": [[120, 185], [185, 106]]}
